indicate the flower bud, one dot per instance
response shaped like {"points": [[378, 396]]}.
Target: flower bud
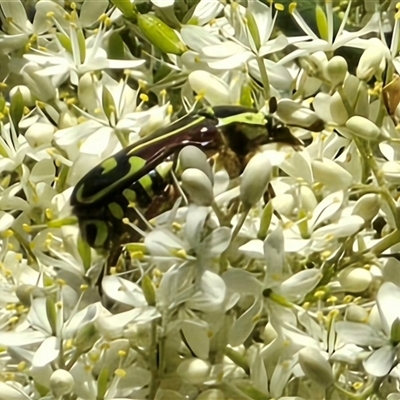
{"points": [[39, 134], [149, 290], [367, 206], [198, 186], [25, 92], [293, 113], [12, 391], [160, 34], [194, 370], [61, 382], [193, 157], [356, 313], [40, 86], [211, 394], [315, 366], [372, 62], [391, 171], [336, 70], [255, 179], [363, 128], [355, 280]]}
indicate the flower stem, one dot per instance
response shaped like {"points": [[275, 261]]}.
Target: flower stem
{"points": [[264, 77]]}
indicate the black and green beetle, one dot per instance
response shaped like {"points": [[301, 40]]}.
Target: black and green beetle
{"points": [[137, 173]]}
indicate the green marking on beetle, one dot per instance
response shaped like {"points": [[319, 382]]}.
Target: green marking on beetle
{"points": [[116, 210], [146, 183], [78, 195], [108, 165], [101, 233], [136, 164], [164, 169], [130, 195], [245, 118]]}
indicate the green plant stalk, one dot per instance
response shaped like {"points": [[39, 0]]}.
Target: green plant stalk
{"points": [[264, 77]]}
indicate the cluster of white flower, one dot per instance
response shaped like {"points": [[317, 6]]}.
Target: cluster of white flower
{"points": [[282, 283]]}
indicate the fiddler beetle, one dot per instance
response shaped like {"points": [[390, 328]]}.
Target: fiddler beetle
{"points": [[137, 173]]}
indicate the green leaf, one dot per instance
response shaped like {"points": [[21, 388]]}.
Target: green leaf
{"points": [[108, 103], [322, 23], [65, 42], [102, 383], [149, 291], [82, 44], [252, 25], [265, 221], [246, 98], [85, 253], [17, 108], [116, 47], [51, 314]]}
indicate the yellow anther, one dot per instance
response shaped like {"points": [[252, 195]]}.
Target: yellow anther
{"points": [[325, 254], [144, 97], [332, 299], [21, 366], [137, 255], [49, 213], [107, 22], [319, 294], [71, 100], [176, 226], [358, 385], [181, 253], [200, 96], [292, 7], [8, 233], [120, 373], [84, 287], [102, 17], [13, 320]]}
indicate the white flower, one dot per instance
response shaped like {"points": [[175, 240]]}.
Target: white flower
{"points": [[85, 56], [326, 21], [384, 340]]}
